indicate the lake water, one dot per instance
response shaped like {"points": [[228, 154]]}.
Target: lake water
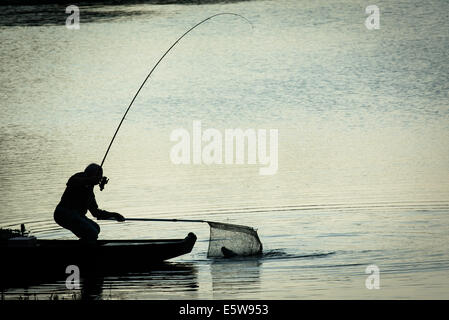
{"points": [[362, 117]]}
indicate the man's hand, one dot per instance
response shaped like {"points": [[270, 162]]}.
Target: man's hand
{"points": [[102, 182], [118, 217], [95, 180], [106, 215]]}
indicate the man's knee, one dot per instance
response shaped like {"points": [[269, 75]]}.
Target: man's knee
{"points": [[89, 234], [95, 226], [87, 230]]}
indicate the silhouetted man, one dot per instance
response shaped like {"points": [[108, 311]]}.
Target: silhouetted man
{"points": [[79, 197]]}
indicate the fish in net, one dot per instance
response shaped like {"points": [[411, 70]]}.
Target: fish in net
{"points": [[228, 240]]}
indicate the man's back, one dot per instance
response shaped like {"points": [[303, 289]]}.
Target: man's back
{"points": [[78, 195]]}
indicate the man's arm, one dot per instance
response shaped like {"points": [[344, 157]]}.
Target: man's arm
{"points": [[103, 214], [82, 180]]}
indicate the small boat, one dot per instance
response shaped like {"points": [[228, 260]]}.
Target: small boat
{"points": [[30, 256]]}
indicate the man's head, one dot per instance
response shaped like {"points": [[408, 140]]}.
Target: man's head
{"points": [[94, 170]]}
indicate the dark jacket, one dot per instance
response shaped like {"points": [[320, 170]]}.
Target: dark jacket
{"points": [[79, 195]]}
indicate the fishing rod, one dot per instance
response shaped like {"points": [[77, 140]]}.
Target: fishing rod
{"points": [[104, 179]]}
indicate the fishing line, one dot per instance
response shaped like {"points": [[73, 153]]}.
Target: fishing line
{"points": [[226, 240], [155, 66]]}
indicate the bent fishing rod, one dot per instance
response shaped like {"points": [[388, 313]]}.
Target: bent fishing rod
{"points": [[104, 179]]}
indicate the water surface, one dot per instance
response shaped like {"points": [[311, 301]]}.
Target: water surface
{"points": [[363, 141]]}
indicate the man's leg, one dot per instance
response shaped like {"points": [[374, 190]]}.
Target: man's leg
{"points": [[93, 228], [82, 227]]}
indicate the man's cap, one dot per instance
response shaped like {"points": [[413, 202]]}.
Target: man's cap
{"points": [[94, 170]]}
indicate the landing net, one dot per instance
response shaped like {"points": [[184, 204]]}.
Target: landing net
{"points": [[230, 239]]}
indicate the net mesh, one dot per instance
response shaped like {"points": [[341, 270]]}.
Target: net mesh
{"points": [[231, 240]]}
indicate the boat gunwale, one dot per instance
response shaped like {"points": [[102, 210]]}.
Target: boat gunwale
{"points": [[188, 241], [106, 241]]}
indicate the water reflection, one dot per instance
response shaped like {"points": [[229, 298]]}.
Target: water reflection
{"points": [[235, 276], [162, 281]]}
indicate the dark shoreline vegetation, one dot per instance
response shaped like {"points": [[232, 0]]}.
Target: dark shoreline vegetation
{"points": [[52, 12], [111, 2]]}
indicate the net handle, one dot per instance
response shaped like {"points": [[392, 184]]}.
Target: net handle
{"points": [[185, 220], [164, 220]]}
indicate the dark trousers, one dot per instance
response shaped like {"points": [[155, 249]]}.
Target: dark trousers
{"points": [[78, 223]]}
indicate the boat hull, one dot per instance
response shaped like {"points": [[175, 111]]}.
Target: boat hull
{"points": [[52, 257]]}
